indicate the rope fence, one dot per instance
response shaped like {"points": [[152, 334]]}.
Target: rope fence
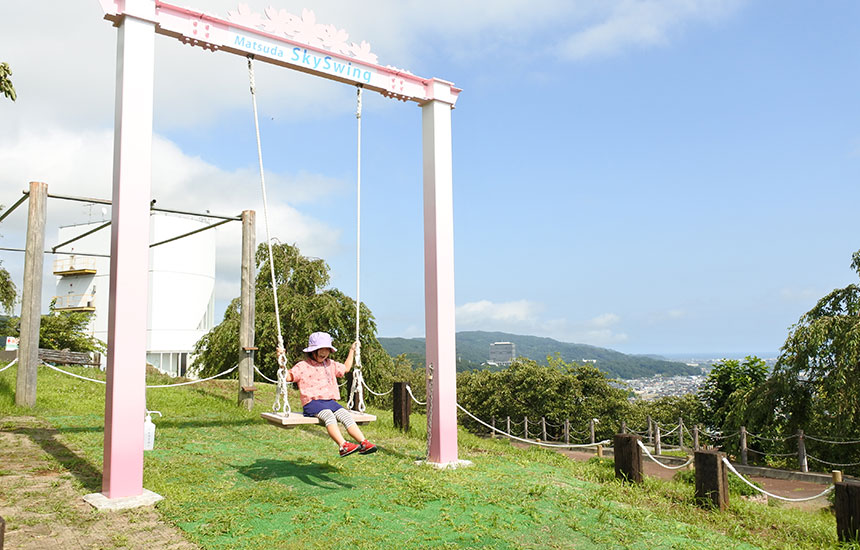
{"points": [[759, 489], [190, 382], [530, 442], [10, 364], [647, 452]]}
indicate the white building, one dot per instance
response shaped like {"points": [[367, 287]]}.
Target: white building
{"points": [[181, 285], [502, 353]]}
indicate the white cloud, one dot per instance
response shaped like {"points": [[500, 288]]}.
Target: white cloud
{"points": [[807, 296], [484, 311], [63, 54], [80, 164], [668, 315], [641, 23], [524, 317]]}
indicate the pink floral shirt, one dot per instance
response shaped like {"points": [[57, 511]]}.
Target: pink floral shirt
{"points": [[317, 380]]}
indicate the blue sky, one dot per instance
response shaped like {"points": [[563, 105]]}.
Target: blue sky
{"points": [[675, 176]]}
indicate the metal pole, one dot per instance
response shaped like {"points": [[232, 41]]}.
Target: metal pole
{"points": [[216, 224], [79, 237], [14, 206]]}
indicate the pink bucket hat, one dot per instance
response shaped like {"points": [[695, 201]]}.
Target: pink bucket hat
{"points": [[319, 340]]}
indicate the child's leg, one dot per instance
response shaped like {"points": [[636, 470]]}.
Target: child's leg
{"points": [[349, 423], [331, 426]]}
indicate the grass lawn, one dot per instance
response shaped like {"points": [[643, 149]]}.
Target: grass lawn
{"points": [[231, 481]]}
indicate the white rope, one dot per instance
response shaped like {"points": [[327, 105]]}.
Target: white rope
{"points": [[282, 360], [833, 463], [530, 442], [356, 404], [10, 364], [720, 436], [373, 392], [813, 438], [771, 439], [779, 455], [154, 386], [282, 393], [412, 395], [264, 376], [358, 232], [644, 448], [196, 381], [670, 432], [73, 374], [759, 489]]}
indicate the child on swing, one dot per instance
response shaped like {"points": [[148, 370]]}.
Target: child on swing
{"points": [[316, 379]]}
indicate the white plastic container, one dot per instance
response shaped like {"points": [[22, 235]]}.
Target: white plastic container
{"points": [[149, 431]]}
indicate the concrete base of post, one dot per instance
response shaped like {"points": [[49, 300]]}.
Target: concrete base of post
{"points": [[445, 465], [100, 502]]}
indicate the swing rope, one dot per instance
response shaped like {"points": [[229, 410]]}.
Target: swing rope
{"points": [[282, 358], [356, 391]]}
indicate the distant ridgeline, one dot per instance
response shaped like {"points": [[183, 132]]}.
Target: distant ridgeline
{"points": [[473, 349]]}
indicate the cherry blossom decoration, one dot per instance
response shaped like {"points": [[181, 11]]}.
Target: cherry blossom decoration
{"points": [[304, 29]]}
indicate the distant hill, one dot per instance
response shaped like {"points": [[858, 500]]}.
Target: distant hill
{"points": [[473, 349]]}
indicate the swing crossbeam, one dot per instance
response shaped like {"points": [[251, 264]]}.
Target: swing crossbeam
{"points": [[291, 420]]}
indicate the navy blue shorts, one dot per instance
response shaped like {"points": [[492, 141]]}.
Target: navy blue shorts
{"points": [[314, 407]]}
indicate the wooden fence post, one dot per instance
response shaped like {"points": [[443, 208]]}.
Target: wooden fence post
{"points": [[650, 431], [566, 431], [658, 448], [493, 424], [695, 437], [31, 297], [712, 482], [628, 457], [624, 426], [801, 452], [848, 511], [402, 406], [543, 429], [681, 433], [508, 424], [248, 304], [744, 453], [591, 430], [525, 427]]}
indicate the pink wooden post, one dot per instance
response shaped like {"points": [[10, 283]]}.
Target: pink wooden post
{"points": [[127, 314], [439, 271]]}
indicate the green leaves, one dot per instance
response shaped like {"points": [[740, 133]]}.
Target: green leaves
{"points": [[818, 372], [68, 330], [5, 82], [305, 306], [558, 391]]}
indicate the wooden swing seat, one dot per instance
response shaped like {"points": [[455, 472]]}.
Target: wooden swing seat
{"points": [[291, 420]]}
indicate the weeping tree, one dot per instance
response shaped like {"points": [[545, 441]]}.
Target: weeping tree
{"points": [[817, 377], [6, 82], [815, 385], [305, 306], [8, 293]]}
